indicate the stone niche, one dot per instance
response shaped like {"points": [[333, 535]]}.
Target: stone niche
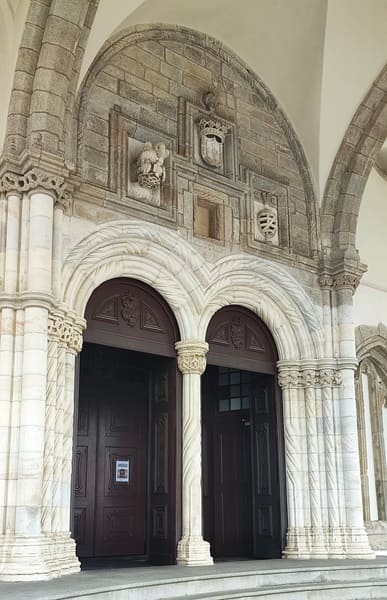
{"points": [[209, 214], [128, 139], [207, 139], [267, 214]]}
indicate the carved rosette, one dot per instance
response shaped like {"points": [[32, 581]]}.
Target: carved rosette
{"points": [[64, 331], [316, 378], [191, 357], [36, 179]]}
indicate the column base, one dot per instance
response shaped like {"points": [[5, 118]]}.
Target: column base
{"points": [[358, 545], [193, 551], [36, 558], [318, 542], [297, 543], [336, 542]]}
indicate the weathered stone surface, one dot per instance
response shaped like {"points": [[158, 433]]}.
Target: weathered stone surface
{"points": [[62, 30], [56, 58], [171, 72]]}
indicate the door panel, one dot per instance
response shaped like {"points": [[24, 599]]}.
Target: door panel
{"points": [[267, 522], [85, 468], [241, 502], [110, 505], [227, 492], [121, 505], [163, 452], [124, 395], [232, 488]]}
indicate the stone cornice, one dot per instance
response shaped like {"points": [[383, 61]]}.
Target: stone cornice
{"points": [[191, 356]]}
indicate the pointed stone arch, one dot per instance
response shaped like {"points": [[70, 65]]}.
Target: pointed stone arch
{"points": [[351, 168]]}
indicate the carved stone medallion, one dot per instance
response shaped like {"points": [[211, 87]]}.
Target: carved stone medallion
{"points": [[267, 222]]}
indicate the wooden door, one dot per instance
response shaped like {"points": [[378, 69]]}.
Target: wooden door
{"points": [[227, 489], [244, 499], [110, 509], [265, 468], [128, 411]]}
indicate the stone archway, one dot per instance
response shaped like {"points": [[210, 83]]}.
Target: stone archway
{"points": [[310, 381]]}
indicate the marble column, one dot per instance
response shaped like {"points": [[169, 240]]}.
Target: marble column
{"points": [[356, 538], [192, 550], [296, 462]]}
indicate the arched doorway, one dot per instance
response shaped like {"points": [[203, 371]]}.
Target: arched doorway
{"points": [[125, 470], [243, 458]]}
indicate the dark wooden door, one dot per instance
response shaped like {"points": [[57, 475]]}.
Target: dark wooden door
{"points": [[241, 500], [128, 411], [265, 468], [227, 464], [110, 508], [244, 499]]}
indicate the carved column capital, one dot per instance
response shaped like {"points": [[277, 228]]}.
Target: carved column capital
{"points": [[291, 378], [341, 274], [36, 179], [296, 377], [191, 356], [65, 332]]}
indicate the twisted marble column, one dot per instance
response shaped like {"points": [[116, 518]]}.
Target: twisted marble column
{"points": [[192, 550]]}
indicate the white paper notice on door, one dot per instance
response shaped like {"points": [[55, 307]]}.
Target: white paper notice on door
{"points": [[122, 471]]}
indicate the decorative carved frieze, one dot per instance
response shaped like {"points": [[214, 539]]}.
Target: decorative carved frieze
{"points": [[191, 357], [65, 332], [317, 378], [36, 179]]}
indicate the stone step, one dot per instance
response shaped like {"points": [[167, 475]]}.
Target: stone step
{"points": [[345, 591], [274, 580]]}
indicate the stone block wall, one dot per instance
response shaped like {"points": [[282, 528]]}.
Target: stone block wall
{"points": [[146, 82]]}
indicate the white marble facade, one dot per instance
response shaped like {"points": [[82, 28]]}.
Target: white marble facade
{"points": [[41, 333], [216, 226]]}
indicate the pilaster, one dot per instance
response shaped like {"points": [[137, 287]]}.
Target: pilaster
{"points": [[304, 389], [339, 280], [34, 543]]}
